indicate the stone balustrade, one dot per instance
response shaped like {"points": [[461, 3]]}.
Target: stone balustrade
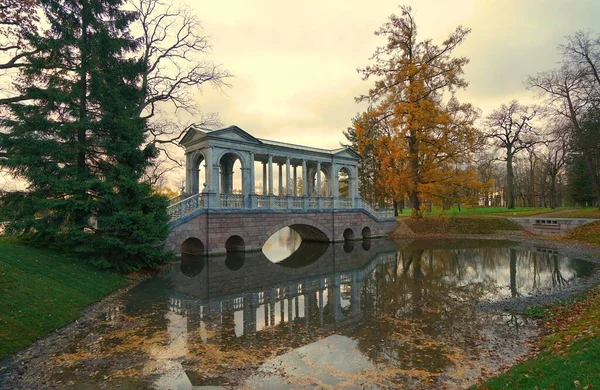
{"points": [[279, 203]]}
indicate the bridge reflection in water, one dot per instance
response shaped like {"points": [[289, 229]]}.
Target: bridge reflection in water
{"points": [[321, 287], [319, 284]]}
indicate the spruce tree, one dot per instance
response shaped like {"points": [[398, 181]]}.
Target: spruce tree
{"points": [[78, 140]]}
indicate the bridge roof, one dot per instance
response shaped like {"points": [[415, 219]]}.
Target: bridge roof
{"points": [[234, 134]]}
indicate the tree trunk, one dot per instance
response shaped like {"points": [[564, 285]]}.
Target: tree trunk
{"points": [[552, 191], [414, 172], [81, 132], [510, 179], [532, 179]]}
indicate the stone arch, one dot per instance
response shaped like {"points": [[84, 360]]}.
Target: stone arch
{"points": [[325, 182], [197, 156], [308, 229], [192, 246], [194, 172], [347, 193], [366, 232], [348, 234], [226, 161], [235, 243], [240, 156], [347, 168]]}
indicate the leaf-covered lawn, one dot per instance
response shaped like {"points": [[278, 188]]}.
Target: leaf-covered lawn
{"points": [[480, 210], [570, 356], [42, 290], [588, 233], [589, 212]]}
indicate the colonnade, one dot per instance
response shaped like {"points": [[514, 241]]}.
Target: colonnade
{"points": [[319, 177]]}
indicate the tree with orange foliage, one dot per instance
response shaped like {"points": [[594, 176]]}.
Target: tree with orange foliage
{"points": [[430, 134]]}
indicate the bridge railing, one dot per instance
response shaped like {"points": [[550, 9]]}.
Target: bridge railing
{"points": [[174, 200], [237, 201], [232, 201], [185, 206], [379, 213]]}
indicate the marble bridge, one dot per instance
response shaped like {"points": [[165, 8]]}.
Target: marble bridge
{"points": [[229, 205]]}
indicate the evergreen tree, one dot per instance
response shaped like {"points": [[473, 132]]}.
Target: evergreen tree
{"points": [[581, 186], [77, 139]]}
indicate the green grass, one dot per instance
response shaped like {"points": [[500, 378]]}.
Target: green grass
{"points": [[42, 290], [461, 225], [480, 210], [570, 353]]}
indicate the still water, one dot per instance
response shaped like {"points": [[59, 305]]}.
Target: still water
{"points": [[364, 314]]}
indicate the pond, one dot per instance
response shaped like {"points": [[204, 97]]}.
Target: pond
{"points": [[362, 314]]}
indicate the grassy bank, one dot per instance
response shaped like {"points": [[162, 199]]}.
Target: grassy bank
{"points": [[586, 234], [569, 354], [460, 225], [496, 211], [42, 290]]}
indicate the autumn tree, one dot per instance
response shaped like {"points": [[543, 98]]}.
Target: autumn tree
{"points": [[430, 133], [510, 128], [369, 168]]}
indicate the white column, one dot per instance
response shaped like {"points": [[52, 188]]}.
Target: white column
{"points": [[287, 177], [189, 185], [335, 187], [304, 179], [208, 175], [270, 175], [252, 179], [280, 191], [353, 183], [295, 185], [264, 191], [318, 178]]}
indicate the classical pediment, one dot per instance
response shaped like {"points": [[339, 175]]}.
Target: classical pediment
{"points": [[347, 153], [232, 133]]}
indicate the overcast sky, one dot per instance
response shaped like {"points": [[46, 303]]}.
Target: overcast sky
{"points": [[294, 63]]}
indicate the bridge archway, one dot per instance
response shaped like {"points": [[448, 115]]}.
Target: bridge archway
{"points": [[192, 246], [348, 234], [308, 229], [344, 178], [366, 232], [195, 164], [231, 166], [235, 243]]}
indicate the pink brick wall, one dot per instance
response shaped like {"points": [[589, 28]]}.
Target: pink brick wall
{"points": [[255, 228]]}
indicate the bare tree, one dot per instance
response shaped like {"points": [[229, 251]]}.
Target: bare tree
{"points": [[510, 128], [582, 51], [18, 19], [554, 160], [573, 91], [176, 55]]}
